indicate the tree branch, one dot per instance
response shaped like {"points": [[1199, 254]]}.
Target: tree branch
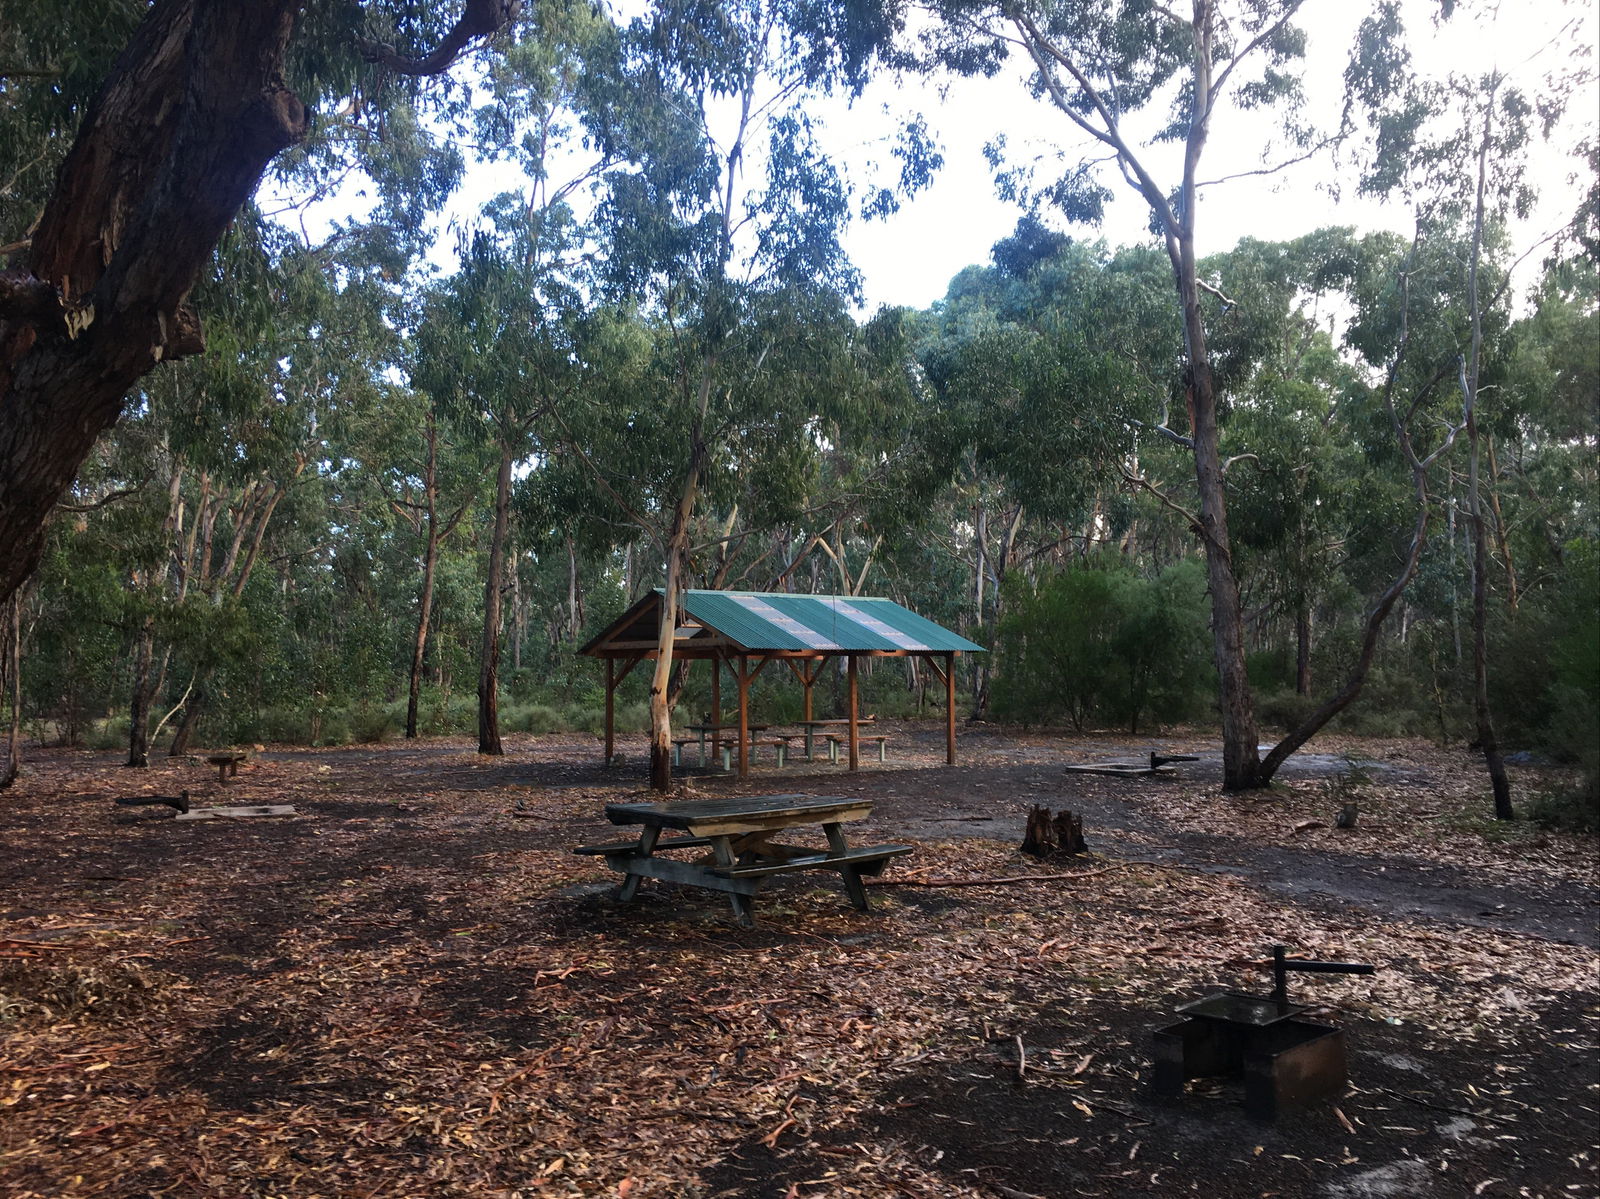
{"points": [[480, 19]]}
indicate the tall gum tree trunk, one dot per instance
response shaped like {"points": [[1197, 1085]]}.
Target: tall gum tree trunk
{"points": [[430, 558], [1241, 755], [1488, 741], [661, 675], [419, 642], [1302, 646], [489, 658]]}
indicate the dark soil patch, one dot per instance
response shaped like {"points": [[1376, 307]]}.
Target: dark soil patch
{"points": [[252, 1061], [1422, 1119]]}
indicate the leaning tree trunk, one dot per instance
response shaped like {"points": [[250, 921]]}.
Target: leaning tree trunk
{"points": [[169, 151], [489, 656]]}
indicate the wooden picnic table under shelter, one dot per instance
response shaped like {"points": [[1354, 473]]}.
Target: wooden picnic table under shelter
{"points": [[749, 630]]}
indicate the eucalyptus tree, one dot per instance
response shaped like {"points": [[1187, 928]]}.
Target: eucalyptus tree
{"points": [[136, 135], [265, 418], [502, 342], [1033, 369], [726, 237], [1458, 149], [1104, 68]]}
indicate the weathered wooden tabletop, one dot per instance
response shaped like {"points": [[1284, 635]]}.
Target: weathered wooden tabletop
{"points": [[714, 817]]}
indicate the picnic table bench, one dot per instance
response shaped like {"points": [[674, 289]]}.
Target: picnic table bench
{"points": [[743, 856], [835, 740], [720, 743], [813, 727], [227, 763]]}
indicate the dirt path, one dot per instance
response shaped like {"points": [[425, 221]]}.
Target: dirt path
{"points": [[1387, 884]]}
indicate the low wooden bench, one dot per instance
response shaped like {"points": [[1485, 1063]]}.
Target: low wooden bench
{"points": [[227, 763], [779, 744], [851, 864], [620, 847], [835, 740], [677, 749]]}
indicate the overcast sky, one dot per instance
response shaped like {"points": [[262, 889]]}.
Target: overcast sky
{"points": [[911, 257]]}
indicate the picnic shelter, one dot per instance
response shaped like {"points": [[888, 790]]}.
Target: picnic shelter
{"points": [[749, 630]]}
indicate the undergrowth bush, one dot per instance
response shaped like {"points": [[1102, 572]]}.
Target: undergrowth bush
{"points": [[1570, 809]]}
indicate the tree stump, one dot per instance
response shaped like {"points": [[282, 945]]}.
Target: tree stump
{"points": [[1055, 835]]}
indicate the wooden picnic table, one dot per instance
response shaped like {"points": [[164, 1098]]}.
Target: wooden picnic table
{"points": [[715, 731], [812, 727], [739, 833]]}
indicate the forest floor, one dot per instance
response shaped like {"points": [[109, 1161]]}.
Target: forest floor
{"points": [[411, 986]]}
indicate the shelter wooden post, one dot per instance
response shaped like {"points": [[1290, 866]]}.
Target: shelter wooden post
{"points": [[806, 680], [611, 722], [716, 708], [855, 731], [741, 674], [949, 709]]}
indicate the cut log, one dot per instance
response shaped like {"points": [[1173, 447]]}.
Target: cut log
{"points": [[1124, 770], [1053, 835]]}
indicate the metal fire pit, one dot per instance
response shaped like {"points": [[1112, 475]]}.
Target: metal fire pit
{"points": [[1284, 1059]]}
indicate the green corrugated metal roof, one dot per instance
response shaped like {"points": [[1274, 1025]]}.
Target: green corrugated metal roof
{"points": [[761, 620]]}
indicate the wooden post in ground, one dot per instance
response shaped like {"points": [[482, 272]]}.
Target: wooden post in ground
{"points": [[950, 709], [716, 709], [855, 730], [741, 674], [611, 721]]}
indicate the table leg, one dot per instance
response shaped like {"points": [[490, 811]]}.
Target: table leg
{"points": [[743, 909], [836, 841], [808, 743], [647, 848], [853, 886]]}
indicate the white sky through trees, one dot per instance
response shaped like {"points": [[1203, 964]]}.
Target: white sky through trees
{"points": [[910, 257]]}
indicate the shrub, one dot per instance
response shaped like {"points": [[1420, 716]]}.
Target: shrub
{"points": [[1104, 644], [109, 734], [371, 726]]}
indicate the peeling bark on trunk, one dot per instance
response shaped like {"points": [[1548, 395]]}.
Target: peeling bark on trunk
{"points": [[661, 676], [169, 151], [489, 656]]}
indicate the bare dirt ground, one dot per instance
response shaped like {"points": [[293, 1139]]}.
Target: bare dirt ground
{"points": [[411, 987]]}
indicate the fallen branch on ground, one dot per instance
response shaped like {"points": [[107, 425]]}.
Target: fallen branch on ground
{"points": [[988, 882]]}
